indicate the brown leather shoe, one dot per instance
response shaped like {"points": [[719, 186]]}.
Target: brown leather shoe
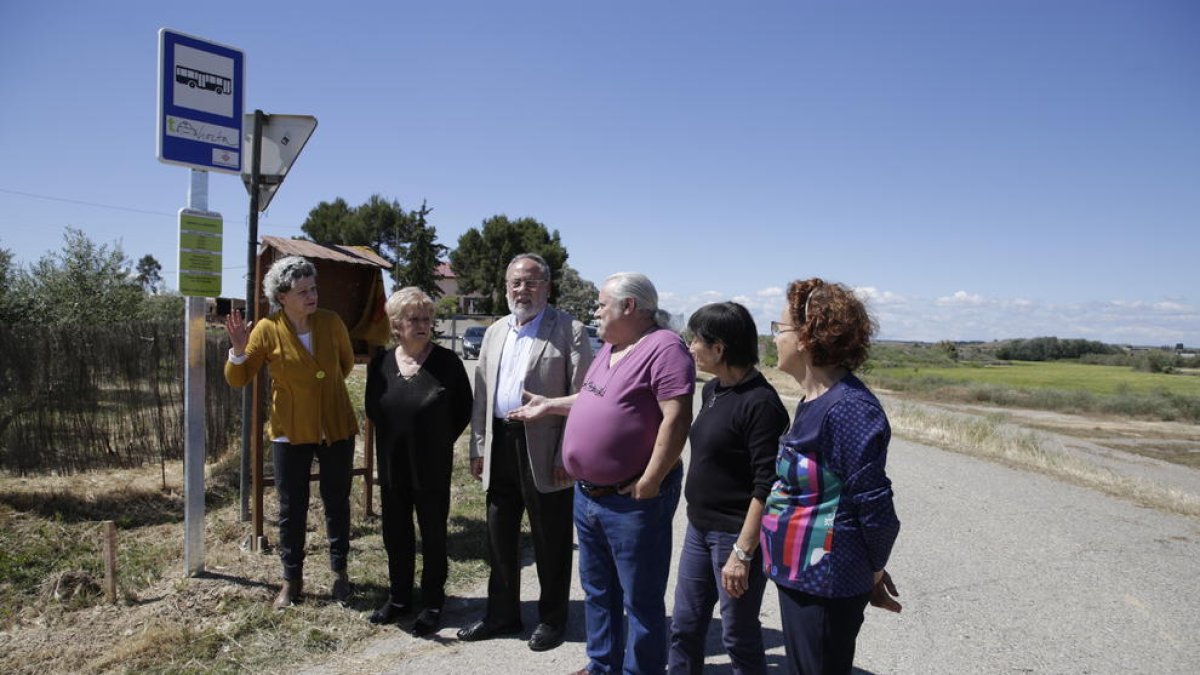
{"points": [[340, 592], [289, 593]]}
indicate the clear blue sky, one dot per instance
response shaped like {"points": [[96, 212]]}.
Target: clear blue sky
{"points": [[981, 169]]}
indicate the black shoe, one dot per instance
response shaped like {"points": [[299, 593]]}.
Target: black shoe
{"points": [[546, 637], [340, 591], [389, 613], [428, 622], [480, 630]]}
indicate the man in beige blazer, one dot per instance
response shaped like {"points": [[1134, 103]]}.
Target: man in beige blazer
{"points": [[536, 349]]}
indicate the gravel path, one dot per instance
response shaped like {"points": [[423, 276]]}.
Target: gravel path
{"points": [[999, 570]]}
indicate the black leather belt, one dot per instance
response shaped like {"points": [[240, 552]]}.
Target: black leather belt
{"points": [[507, 424], [596, 491]]}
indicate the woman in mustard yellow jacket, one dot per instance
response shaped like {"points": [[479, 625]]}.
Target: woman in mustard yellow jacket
{"points": [[308, 354]]}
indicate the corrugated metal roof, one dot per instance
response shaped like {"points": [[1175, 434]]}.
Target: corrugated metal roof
{"points": [[355, 255]]}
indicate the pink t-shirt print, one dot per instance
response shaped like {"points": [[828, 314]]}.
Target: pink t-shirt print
{"points": [[611, 429]]}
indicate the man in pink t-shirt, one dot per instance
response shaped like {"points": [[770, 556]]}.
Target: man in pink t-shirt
{"points": [[625, 432]]}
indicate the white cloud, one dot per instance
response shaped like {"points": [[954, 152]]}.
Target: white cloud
{"points": [[878, 297], [968, 316], [961, 298], [1169, 306]]}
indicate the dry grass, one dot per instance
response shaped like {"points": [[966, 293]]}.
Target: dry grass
{"points": [[163, 621], [990, 436], [54, 618]]}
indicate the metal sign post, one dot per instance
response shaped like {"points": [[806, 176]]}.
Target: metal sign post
{"points": [[193, 410], [199, 125], [249, 398], [272, 143]]}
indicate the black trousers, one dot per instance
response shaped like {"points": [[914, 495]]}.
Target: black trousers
{"points": [[511, 491], [293, 467], [399, 538], [819, 634]]}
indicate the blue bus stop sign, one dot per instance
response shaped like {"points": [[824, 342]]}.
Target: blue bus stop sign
{"points": [[201, 86]]}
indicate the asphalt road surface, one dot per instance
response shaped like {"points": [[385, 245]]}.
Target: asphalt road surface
{"points": [[999, 571]]}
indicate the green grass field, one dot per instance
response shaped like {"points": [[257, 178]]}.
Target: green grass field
{"points": [[1052, 385], [1100, 380]]}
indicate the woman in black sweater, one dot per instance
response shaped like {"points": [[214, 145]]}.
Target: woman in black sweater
{"points": [[419, 398], [734, 439]]}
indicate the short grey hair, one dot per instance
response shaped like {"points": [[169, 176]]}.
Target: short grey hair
{"points": [[284, 273], [624, 285], [409, 296], [539, 260]]}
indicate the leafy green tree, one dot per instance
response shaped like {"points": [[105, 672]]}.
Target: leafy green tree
{"points": [[376, 223], [483, 254], [1050, 349], [164, 306], [445, 307], [403, 238], [82, 283], [6, 268], [421, 257], [947, 348], [9, 304], [149, 274], [386, 228], [331, 223], [576, 295]]}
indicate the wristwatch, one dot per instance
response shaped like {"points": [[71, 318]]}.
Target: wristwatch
{"points": [[741, 554]]}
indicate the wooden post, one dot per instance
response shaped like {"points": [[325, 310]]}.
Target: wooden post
{"points": [[369, 470], [110, 560]]}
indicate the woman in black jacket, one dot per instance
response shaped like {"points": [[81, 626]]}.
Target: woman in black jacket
{"points": [[419, 398], [734, 439]]}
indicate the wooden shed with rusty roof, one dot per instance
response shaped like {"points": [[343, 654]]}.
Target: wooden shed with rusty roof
{"points": [[351, 283]]}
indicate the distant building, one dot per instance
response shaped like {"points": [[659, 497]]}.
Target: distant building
{"points": [[447, 282]]}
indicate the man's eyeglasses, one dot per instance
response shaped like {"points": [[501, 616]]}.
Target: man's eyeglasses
{"points": [[518, 284], [778, 327]]}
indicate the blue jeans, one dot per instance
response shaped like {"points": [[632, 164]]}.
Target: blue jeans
{"points": [[697, 588], [624, 561]]}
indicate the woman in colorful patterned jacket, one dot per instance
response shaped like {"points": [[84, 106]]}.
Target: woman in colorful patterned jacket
{"points": [[828, 524]]}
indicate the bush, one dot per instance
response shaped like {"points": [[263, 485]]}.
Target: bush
{"points": [[1155, 361], [1051, 349]]}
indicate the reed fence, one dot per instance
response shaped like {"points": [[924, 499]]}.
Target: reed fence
{"points": [[76, 398]]}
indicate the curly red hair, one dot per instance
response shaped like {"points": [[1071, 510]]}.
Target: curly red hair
{"points": [[831, 323]]}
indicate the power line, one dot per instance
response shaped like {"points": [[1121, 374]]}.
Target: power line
{"points": [[83, 203], [272, 226]]}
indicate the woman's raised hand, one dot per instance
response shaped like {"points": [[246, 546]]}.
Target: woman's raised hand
{"points": [[238, 330]]}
